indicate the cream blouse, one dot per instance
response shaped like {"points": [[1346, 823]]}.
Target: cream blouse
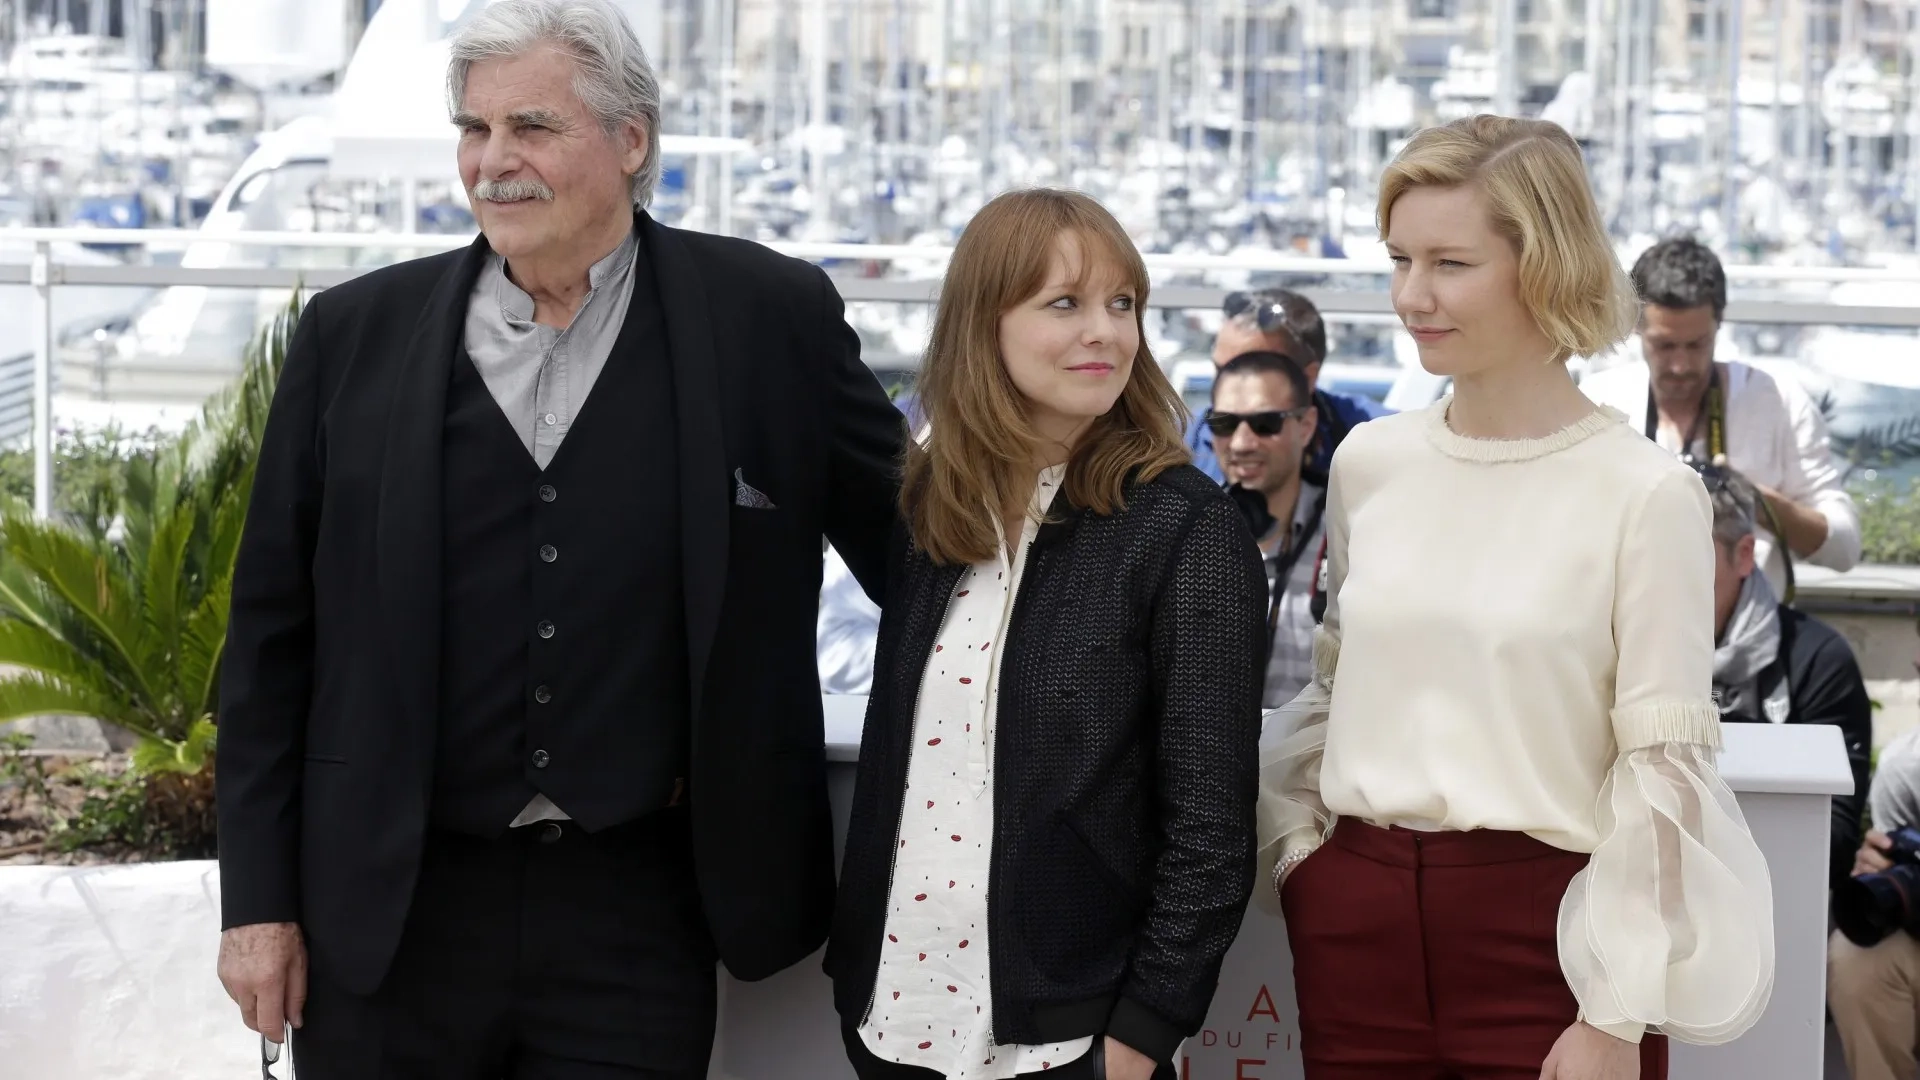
{"points": [[1522, 632]]}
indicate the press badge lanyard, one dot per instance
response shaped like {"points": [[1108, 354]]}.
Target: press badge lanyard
{"points": [[1318, 608], [1715, 414], [1284, 566]]}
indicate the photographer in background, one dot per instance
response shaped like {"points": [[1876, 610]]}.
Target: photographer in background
{"points": [[1775, 665], [1874, 989], [1729, 413]]}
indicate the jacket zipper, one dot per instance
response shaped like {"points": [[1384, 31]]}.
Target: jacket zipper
{"points": [[993, 771], [900, 807]]}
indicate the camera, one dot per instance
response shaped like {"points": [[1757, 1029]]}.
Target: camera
{"points": [[1870, 907]]}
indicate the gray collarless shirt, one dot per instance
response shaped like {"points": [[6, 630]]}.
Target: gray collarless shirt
{"points": [[540, 376]]}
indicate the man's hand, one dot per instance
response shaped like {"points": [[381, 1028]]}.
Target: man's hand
{"points": [[1871, 858], [1584, 1052], [264, 969], [1126, 1063], [1805, 527]]}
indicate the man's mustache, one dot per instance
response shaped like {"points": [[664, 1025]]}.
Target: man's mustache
{"points": [[511, 190]]}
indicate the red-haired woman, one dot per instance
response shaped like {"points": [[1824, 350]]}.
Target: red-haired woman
{"points": [[1051, 843]]}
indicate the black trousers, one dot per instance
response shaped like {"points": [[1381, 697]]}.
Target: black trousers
{"points": [[547, 954], [1088, 1066]]}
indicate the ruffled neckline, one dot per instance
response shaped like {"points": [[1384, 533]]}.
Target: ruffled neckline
{"points": [[1501, 451]]}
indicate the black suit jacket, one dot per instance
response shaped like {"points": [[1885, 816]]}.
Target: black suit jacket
{"points": [[330, 681]]}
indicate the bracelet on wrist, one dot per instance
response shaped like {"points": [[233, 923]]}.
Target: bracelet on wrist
{"points": [[1288, 862]]}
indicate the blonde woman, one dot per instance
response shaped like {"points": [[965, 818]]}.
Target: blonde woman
{"points": [[1052, 836], [1493, 820]]}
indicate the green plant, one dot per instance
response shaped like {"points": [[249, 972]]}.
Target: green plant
{"points": [[114, 809], [124, 619], [19, 767], [1889, 520], [89, 471]]}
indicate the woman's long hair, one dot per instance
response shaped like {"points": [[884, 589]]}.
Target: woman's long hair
{"points": [[977, 456]]}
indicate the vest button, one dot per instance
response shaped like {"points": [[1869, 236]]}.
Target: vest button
{"points": [[547, 493], [542, 695], [540, 759], [545, 629], [548, 553]]}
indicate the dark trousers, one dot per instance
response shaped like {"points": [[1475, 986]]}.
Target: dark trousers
{"points": [[547, 954], [1088, 1066], [1432, 956]]}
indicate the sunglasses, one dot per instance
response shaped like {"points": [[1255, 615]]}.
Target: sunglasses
{"points": [[1264, 424], [1267, 313]]}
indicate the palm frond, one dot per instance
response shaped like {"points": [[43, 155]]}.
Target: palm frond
{"points": [[41, 648], [164, 594], [1892, 441], [186, 756], [94, 589], [23, 596], [201, 646], [30, 693]]}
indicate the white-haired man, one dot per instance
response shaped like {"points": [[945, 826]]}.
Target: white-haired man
{"points": [[519, 728]]}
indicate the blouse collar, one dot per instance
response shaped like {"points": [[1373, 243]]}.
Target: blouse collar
{"points": [[1500, 451]]}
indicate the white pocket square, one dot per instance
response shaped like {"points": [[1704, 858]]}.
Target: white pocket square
{"points": [[745, 494]]}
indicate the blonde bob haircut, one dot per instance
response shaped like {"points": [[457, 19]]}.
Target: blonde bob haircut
{"points": [[1538, 195], [978, 453]]}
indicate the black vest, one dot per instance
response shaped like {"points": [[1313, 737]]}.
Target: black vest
{"points": [[564, 651]]}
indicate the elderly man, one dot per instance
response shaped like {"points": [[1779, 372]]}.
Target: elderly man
{"points": [[1730, 412], [519, 729]]}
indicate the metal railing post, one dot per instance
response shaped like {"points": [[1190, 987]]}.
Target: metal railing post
{"points": [[41, 279]]}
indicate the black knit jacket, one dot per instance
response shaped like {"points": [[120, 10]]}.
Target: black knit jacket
{"points": [[1125, 768]]}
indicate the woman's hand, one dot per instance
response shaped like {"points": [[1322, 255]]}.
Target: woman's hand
{"points": [[1284, 870], [1126, 1063], [1584, 1052]]}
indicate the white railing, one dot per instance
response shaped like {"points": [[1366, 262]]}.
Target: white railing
{"points": [[46, 271]]}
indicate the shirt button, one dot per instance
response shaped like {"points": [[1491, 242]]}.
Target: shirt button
{"points": [[540, 759], [550, 419], [542, 695], [547, 493], [545, 629], [548, 553]]}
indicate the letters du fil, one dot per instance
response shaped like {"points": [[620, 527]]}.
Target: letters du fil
{"points": [[1236, 1053]]}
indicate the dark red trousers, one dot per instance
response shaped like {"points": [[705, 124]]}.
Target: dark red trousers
{"points": [[1432, 956]]}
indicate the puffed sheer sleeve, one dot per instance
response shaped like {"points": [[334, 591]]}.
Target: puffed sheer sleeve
{"points": [[1670, 926], [1291, 816]]}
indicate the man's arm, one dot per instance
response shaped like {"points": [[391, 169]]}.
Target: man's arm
{"points": [[1829, 690], [1804, 528], [1817, 516], [267, 666], [867, 434]]}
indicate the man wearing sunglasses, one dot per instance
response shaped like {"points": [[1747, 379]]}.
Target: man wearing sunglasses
{"points": [[1261, 425], [1282, 321]]}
